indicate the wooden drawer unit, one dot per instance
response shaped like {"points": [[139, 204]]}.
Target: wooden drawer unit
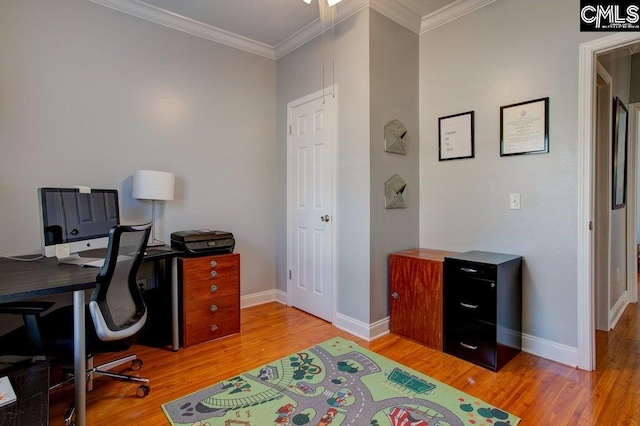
{"points": [[210, 297], [483, 307], [415, 296]]}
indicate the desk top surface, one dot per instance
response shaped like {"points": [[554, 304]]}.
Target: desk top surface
{"points": [[424, 253], [46, 276], [43, 277]]}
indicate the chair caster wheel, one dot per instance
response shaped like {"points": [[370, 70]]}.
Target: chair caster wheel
{"points": [[142, 391], [136, 364]]}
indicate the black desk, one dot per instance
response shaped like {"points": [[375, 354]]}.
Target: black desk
{"points": [[155, 254], [30, 382], [46, 277]]}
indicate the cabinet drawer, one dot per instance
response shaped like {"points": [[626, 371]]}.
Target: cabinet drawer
{"points": [[470, 298], [202, 268], [201, 309], [211, 328], [471, 270], [472, 341], [220, 286], [207, 320]]}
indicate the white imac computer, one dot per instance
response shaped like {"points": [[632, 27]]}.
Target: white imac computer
{"points": [[73, 221]]}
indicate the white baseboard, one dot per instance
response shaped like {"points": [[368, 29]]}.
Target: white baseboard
{"points": [[257, 298], [281, 297], [262, 298], [550, 350], [360, 329], [618, 309]]}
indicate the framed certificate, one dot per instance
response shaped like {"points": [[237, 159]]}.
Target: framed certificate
{"points": [[456, 136], [524, 128]]}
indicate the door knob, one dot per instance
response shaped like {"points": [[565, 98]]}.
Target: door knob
{"points": [[325, 218]]}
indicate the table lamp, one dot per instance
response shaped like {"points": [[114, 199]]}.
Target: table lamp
{"points": [[153, 185]]}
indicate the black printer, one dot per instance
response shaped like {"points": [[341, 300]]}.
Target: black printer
{"points": [[203, 241]]}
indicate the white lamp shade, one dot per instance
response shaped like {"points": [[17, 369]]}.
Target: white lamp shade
{"points": [[153, 185]]}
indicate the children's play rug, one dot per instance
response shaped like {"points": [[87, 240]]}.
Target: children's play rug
{"points": [[334, 383]]}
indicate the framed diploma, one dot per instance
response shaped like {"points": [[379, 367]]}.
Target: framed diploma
{"points": [[524, 128], [456, 136], [619, 170]]}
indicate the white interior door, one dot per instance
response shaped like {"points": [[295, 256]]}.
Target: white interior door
{"points": [[311, 203]]}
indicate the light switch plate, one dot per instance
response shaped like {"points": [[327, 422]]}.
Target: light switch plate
{"points": [[514, 201]]}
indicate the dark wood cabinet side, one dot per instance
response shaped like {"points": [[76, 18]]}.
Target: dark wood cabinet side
{"points": [[415, 296]]}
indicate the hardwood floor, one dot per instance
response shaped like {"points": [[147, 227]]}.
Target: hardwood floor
{"points": [[535, 389]]}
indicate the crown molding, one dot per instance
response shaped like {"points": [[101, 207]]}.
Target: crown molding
{"points": [[345, 10], [187, 25], [398, 13], [392, 9], [450, 12]]}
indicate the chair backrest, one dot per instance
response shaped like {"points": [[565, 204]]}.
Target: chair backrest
{"points": [[116, 306]]}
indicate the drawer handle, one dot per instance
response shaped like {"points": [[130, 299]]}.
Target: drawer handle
{"points": [[214, 288], [213, 263], [394, 294], [214, 327], [468, 306], [213, 274], [473, 271], [465, 345], [214, 308]]}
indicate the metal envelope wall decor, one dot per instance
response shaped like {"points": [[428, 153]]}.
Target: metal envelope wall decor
{"points": [[393, 193], [394, 133]]}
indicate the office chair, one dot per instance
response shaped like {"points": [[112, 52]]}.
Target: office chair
{"points": [[116, 312]]}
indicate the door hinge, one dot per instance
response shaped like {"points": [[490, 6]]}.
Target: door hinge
{"points": [[289, 273], [590, 226]]}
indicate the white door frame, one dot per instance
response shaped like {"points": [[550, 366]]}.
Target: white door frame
{"points": [[602, 224], [328, 91], [632, 204], [586, 149]]}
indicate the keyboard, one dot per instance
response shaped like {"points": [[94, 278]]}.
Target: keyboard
{"points": [[99, 262], [95, 263]]}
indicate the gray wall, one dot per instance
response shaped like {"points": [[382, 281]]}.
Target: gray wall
{"points": [[89, 94], [507, 52], [299, 73], [394, 95]]}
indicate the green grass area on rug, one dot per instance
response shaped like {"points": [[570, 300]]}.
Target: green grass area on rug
{"points": [[334, 383]]}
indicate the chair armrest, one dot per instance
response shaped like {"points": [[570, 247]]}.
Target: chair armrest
{"points": [[25, 308]]}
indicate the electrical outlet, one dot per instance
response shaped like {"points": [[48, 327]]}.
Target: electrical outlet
{"points": [[514, 201]]}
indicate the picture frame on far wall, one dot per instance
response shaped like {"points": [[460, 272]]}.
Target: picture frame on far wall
{"points": [[619, 169], [524, 128], [455, 139]]}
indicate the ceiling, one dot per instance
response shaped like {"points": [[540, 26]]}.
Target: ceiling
{"points": [[273, 28]]}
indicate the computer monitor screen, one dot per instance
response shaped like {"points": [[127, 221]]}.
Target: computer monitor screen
{"points": [[74, 221]]}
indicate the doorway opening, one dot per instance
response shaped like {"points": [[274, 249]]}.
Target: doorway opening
{"points": [[586, 200]]}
